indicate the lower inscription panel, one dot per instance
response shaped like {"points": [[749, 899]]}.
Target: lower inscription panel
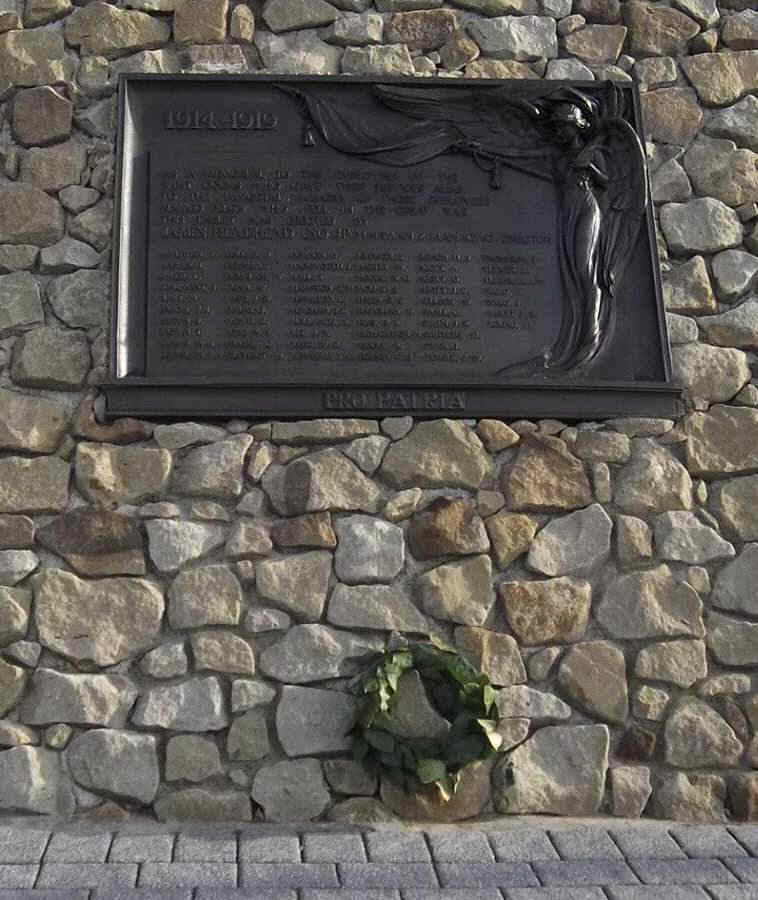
{"points": [[324, 247]]}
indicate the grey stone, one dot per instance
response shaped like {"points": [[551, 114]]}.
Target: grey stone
{"points": [[460, 592], [14, 614], [103, 30], [670, 184], [631, 790], [568, 68], [191, 757], [77, 699], [560, 770], [200, 23], [494, 654], [27, 214], [208, 595], [77, 198], [734, 588], [345, 776], [718, 169], [687, 288], [98, 119], [733, 642], [214, 470], [322, 481], [264, 620], [735, 327], [691, 798], [41, 116], [298, 583], [522, 702], [193, 705], [411, 715], [543, 611], [737, 122], [184, 434], [32, 779], [734, 271], [682, 537], [301, 52], [740, 31], [403, 504], [103, 621], [703, 11], [147, 61], [723, 441], [110, 475], [681, 329], [380, 607], [242, 24], [458, 52], [200, 805], [248, 737], [54, 168], [650, 604], [678, 662], [117, 762], [94, 224], [33, 57], [652, 482], [369, 550], [572, 544], [697, 737], [31, 424], [602, 446], [14, 257], [247, 693], [367, 452], [714, 374], [522, 38], [310, 721], [33, 485], [16, 531], [725, 684], [51, 358], [80, 299], [314, 653], [67, 255], [735, 504], [593, 676], [273, 790], [172, 544], [704, 225], [392, 59], [290, 15], [440, 453], [166, 661]]}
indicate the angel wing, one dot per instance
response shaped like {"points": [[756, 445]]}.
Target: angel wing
{"points": [[624, 202]]}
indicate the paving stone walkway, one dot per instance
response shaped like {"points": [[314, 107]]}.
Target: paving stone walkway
{"points": [[501, 860]]}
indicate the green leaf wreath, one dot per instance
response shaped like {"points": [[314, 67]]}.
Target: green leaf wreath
{"points": [[460, 693]]}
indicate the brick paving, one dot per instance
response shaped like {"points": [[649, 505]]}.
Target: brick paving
{"points": [[506, 859]]}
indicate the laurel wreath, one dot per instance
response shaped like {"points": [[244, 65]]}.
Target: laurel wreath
{"points": [[460, 693]]}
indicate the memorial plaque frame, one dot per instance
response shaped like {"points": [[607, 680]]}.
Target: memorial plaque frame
{"points": [[246, 286]]}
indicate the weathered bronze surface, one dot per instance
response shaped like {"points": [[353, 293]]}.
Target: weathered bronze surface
{"points": [[295, 246]]}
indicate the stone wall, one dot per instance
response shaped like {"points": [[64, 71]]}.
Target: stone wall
{"points": [[182, 604]]}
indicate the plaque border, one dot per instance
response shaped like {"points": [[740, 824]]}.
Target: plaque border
{"points": [[127, 393]]}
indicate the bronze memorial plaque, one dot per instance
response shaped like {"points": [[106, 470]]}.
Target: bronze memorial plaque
{"points": [[294, 246]]}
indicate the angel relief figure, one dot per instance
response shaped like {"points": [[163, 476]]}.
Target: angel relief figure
{"points": [[579, 141]]}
